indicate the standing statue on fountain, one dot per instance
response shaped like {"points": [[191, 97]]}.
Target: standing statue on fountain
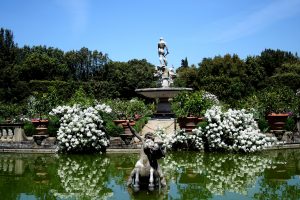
{"points": [[163, 52], [162, 71]]}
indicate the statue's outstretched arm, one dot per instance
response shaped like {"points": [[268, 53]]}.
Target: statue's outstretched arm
{"points": [[134, 131]]}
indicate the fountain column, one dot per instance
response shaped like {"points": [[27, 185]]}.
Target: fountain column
{"points": [[165, 77]]}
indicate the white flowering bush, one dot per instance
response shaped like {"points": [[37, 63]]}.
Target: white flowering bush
{"points": [[234, 130], [211, 97], [81, 129], [181, 140]]}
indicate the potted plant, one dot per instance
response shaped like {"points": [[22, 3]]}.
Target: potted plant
{"points": [[190, 108], [124, 110], [280, 103]]}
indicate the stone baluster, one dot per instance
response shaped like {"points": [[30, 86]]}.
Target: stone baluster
{"points": [[4, 134], [10, 133]]}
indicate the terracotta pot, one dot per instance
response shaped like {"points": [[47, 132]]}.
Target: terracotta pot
{"points": [[277, 120], [41, 126], [188, 123], [123, 123]]}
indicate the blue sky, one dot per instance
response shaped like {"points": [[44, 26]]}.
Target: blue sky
{"points": [[128, 29]]}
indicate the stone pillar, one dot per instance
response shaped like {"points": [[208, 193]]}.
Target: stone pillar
{"points": [[19, 135]]}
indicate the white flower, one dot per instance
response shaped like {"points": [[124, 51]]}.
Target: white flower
{"points": [[76, 123]]}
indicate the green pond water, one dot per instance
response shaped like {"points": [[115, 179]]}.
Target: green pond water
{"points": [[190, 175]]}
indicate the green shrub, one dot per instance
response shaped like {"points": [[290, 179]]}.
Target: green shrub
{"points": [[203, 124], [278, 99], [263, 124], [53, 126], [291, 80], [113, 130], [290, 124], [29, 129], [82, 98], [139, 124], [10, 110], [128, 109], [110, 127], [187, 104]]}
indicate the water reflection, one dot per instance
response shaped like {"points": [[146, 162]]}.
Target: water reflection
{"points": [[83, 178], [207, 176], [189, 175], [216, 173], [283, 179]]}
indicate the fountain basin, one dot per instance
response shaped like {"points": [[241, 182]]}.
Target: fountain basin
{"points": [[163, 95], [168, 92]]}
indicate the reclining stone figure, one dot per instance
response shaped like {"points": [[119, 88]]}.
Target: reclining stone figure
{"points": [[147, 169]]}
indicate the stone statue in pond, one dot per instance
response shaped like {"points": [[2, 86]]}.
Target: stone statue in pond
{"points": [[147, 171]]}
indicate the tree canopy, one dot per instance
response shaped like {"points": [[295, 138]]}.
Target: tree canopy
{"points": [[25, 71]]}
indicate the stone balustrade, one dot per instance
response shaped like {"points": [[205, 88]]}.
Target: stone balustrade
{"points": [[12, 132]]}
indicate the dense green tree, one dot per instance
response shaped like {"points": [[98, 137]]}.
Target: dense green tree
{"points": [[186, 77], [254, 73], [7, 48], [7, 61], [271, 59], [224, 77], [84, 64], [40, 66], [128, 76], [227, 65]]}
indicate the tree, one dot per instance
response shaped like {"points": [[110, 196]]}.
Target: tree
{"points": [[254, 73], [128, 76], [7, 60], [184, 62], [7, 48], [186, 77], [84, 64], [271, 59], [40, 66], [224, 77]]}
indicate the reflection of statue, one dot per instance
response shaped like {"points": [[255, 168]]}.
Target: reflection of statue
{"points": [[162, 46]]}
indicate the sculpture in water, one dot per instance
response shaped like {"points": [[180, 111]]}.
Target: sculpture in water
{"points": [[164, 74], [147, 171]]}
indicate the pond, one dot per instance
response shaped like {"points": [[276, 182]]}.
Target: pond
{"points": [[190, 175]]}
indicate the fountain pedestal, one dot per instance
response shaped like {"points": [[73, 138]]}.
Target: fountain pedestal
{"points": [[163, 95]]}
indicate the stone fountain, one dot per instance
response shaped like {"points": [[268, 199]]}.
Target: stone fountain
{"points": [[165, 92]]}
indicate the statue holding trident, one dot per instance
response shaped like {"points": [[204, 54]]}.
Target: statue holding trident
{"points": [[162, 70]]}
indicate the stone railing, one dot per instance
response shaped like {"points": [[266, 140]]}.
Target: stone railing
{"points": [[12, 132]]}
